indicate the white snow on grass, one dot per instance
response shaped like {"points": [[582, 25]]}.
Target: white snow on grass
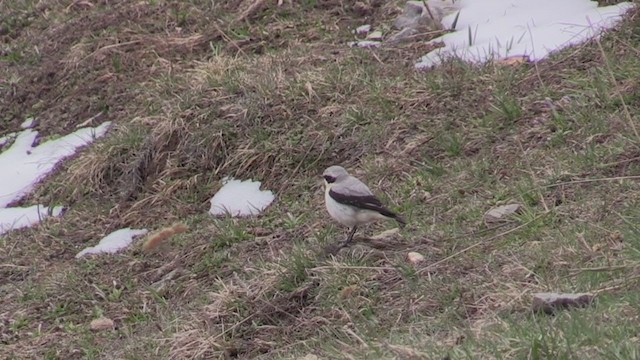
{"points": [[496, 29], [23, 165], [240, 198], [28, 123], [363, 29], [5, 139], [114, 242], [20, 217]]}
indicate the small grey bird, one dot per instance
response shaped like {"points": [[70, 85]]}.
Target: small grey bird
{"points": [[350, 202]]}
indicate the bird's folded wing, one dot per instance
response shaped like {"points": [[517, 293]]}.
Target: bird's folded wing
{"points": [[365, 202]]}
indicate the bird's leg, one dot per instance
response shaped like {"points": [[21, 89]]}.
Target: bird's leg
{"points": [[350, 237]]}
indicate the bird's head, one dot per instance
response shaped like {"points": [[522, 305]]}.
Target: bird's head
{"points": [[333, 174]]}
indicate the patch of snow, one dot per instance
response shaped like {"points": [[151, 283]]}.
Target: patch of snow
{"points": [[28, 123], [20, 217], [22, 165], [364, 43], [5, 139], [488, 30], [240, 198], [375, 35], [363, 29], [113, 242]]}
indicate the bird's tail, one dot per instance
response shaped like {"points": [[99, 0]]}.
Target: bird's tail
{"points": [[390, 214], [400, 220]]}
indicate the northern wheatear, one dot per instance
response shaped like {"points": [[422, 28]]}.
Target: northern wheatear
{"points": [[350, 202]]}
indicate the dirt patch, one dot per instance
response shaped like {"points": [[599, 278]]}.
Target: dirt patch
{"points": [[92, 62]]}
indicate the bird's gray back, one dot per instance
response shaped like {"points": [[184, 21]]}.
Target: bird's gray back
{"points": [[352, 186]]}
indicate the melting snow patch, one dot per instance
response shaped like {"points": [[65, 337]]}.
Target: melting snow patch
{"points": [[363, 29], [5, 139], [497, 29], [113, 242], [20, 217], [375, 35], [23, 164], [240, 198], [28, 123]]}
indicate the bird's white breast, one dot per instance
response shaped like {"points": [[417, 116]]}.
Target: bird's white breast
{"points": [[348, 215], [344, 214]]}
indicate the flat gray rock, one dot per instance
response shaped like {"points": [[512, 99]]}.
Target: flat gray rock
{"points": [[551, 302], [402, 35], [501, 213]]}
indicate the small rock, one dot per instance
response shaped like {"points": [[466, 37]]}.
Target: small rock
{"points": [[100, 324], [410, 16], [402, 35], [500, 213], [387, 234], [363, 29], [415, 257], [364, 43], [550, 302], [309, 357]]}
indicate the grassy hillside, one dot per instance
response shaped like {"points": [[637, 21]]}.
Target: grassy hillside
{"points": [[199, 90]]}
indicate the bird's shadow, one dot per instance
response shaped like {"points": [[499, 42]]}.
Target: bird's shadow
{"points": [[391, 242]]}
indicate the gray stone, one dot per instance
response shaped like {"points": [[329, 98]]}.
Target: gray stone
{"points": [[501, 213], [411, 15], [402, 35], [551, 302]]}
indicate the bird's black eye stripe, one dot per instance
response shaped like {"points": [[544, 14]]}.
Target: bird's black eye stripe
{"points": [[330, 179]]}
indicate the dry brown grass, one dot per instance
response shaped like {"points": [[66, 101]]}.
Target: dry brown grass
{"points": [[271, 92]]}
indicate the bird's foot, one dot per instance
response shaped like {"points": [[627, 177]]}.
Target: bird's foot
{"points": [[343, 244], [333, 249]]}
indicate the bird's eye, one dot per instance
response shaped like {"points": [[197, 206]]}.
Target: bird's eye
{"points": [[330, 179]]}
